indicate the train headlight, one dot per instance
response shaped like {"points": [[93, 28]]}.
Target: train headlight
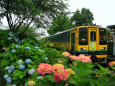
{"points": [[103, 48], [83, 48]]}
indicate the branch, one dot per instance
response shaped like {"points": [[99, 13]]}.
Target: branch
{"points": [[20, 23], [26, 27]]}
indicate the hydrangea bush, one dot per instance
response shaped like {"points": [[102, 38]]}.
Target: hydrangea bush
{"points": [[20, 60], [26, 63]]}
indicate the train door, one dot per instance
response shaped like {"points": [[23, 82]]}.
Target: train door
{"points": [[93, 44], [72, 42]]}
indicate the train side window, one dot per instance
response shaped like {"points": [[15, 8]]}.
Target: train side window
{"points": [[83, 36], [102, 36]]}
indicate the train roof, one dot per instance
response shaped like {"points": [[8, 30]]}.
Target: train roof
{"points": [[63, 31], [75, 28]]}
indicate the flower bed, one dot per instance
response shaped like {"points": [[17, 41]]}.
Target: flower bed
{"points": [[28, 64]]}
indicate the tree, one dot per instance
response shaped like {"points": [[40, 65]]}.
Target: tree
{"points": [[60, 23], [27, 12], [83, 17]]}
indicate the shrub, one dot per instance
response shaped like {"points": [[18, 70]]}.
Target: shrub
{"points": [[29, 33], [3, 38], [19, 62], [55, 56]]}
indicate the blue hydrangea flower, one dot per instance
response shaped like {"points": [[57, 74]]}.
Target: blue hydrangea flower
{"points": [[13, 85], [39, 77], [31, 71], [16, 39], [46, 58], [16, 46], [28, 61], [22, 67], [8, 80], [25, 85], [36, 47], [27, 48], [6, 76], [11, 34], [12, 67], [22, 40], [5, 54], [13, 51], [9, 71]]}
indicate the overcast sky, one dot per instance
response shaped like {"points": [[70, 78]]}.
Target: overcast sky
{"points": [[103, 10]]}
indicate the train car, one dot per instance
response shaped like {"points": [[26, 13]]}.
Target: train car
{"points": [[88, 40]]}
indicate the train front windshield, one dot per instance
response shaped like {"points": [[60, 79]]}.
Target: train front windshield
{"points": [[102, 36]]}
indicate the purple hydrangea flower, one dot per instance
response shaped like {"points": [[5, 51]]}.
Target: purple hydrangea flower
{"points": [[28, 61], [31, 71], [9, 38], [22, 67], [27, 48], [8, 80]]}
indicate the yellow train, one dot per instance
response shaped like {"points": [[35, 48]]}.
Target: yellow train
{"points": [[88, 40]]}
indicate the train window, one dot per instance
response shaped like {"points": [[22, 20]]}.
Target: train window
{"points": [[93, 36], [83, 36], [102, 36]]}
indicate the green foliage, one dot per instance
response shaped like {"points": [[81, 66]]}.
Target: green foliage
{"points": [[30, 32], [54, 56], [3, 38], [86, 75], [83, 74], [43, 42], [17, 56], [83, 17], [25, 12], [60, 23], [23, 55], [7, 37]]}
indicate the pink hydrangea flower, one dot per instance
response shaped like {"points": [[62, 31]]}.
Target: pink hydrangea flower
{"points": [[45, 69], [81, 57], [73, 57], [61, 75], [112, 63], [85, 58]]}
